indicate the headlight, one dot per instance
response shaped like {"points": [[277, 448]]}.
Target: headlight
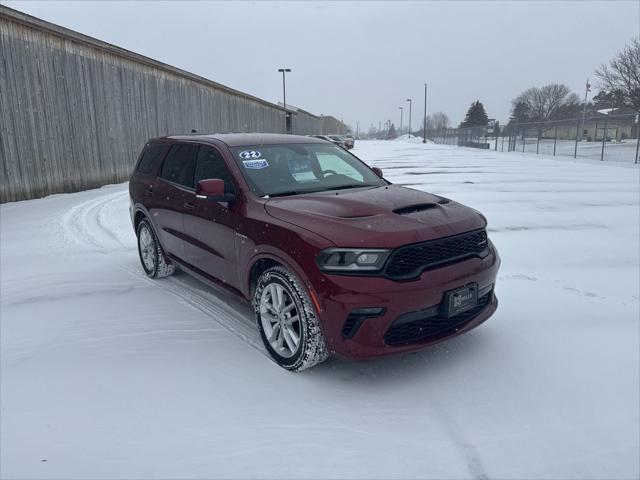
{"points": [[352, 259]]}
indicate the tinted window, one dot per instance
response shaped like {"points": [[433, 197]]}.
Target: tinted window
{"points": [[151, 158], [210, 164], [179, 165]]}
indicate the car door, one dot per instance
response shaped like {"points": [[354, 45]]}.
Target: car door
{"points": [[210, 225], [172, 197]]}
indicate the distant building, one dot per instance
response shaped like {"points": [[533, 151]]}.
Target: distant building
{"points": [[333, 126], [619, 124], [301, 125]]}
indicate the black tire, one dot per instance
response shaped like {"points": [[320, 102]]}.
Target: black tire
{"points": [[157, 265], [312, 348]]}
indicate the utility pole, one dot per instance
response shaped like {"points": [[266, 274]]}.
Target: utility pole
{"points": [[587, 89], [637, 135], [409, 100], [284, 96], [424, 127], [400, 120]]}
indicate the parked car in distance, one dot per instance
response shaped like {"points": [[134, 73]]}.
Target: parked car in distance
{"points": [[350, 141], [345, 140], [334, 258], [330, 138], [342, 141]]}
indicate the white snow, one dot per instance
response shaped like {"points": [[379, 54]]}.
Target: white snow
{"points": [[410, 139], [106, 374]]}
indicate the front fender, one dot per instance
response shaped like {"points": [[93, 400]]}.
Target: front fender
{"points": [[268, 252]]}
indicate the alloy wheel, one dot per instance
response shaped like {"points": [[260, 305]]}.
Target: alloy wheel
{"points": [[147, 249], [280, 320]]}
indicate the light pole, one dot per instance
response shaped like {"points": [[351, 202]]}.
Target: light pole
{"points": [[587, 89], [409, 100], [424, 127], [400, 120], [284, 96]]}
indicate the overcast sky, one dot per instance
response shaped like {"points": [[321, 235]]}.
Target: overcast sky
{"points": [[360, 61]]}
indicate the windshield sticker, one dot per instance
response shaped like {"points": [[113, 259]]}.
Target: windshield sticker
{"points": [[300, 169], [255, 164], [249, 154]]}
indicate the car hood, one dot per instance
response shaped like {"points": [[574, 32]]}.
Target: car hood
{"points": [[381, 217]]}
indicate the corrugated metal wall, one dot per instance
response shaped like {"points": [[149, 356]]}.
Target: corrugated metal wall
{"points": [[75, 112]]}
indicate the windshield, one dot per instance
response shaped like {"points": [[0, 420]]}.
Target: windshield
{"points": [[291, 169]]}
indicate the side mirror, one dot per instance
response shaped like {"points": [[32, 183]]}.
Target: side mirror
{"points": [[213, 189], [377, 171]]}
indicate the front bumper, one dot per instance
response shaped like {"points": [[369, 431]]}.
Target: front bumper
{"points": [[340, 295]]}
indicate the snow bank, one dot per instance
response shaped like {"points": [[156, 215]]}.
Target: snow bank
{"points": [[410, 139]]}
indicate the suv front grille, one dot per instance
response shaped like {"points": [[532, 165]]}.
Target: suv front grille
{"points": [[432, 325], [409, 261]]}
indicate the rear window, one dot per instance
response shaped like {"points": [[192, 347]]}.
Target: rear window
{"points": [[180, 164], [151, 159]]}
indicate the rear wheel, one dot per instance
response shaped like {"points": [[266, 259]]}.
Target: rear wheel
{"points": [[288, 324], [152, 259]]}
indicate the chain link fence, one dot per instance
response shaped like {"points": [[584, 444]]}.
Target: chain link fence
{"points": [[610, 137]]}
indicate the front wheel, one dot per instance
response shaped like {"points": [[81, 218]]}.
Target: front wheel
{"points": [[288, 324]]}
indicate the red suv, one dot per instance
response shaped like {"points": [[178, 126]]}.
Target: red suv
{"points": [[334, 258]]}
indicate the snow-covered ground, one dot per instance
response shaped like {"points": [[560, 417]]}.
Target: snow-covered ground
{"points": [[107, 374]]}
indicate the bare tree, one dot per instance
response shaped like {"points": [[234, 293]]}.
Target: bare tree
{"points": [[622, 74], [544, 103], [438, 121]]}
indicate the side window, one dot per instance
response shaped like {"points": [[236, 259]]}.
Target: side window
{"points": [[334, 163], [179, 165], [210, 164], [151, 158]]}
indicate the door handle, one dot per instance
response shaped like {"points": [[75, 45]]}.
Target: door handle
{"points": [[148, 192], [189, 206]]}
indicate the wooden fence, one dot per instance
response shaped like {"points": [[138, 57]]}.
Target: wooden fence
{"points": [[75, 111]]}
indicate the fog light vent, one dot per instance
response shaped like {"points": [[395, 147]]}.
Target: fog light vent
{"points": [[357, 317]]}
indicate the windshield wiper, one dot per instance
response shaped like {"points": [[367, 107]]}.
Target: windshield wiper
{"points": [[339, 187], [350, 185], [290, 192]]}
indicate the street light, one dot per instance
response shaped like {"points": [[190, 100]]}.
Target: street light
{"points": [[400, 120], [284, 96], [409, 100], [424, 127]]}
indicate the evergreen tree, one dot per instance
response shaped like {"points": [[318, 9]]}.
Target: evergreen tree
{"points": [[476, 116], [520, 112], [392, 132], [609, 99]]}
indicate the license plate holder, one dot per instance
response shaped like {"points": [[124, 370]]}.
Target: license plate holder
{"points": [[460, 300]]}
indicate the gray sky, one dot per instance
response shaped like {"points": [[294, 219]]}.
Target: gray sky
{"points": [[359, 61]]}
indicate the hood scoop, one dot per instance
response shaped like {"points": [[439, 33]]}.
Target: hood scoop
{"points": [[414, 208]]}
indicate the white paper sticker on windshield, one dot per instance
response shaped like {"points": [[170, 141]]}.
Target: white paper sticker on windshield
{"points": [[249, 154], [255, 164]]}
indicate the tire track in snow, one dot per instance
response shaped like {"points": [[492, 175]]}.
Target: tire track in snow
{"points": [[466, 449], [76, 223], [87, 224]]}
